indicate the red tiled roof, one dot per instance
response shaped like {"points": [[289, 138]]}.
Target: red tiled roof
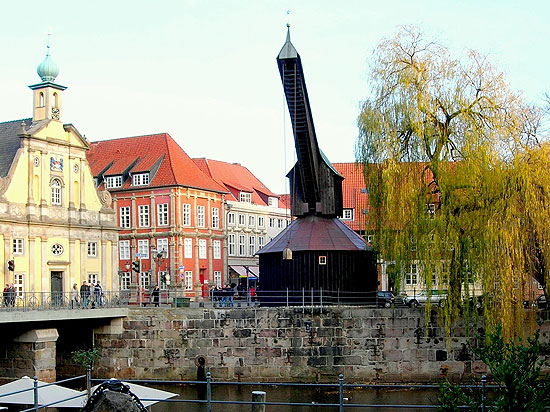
{"points": [[176, 168], [354, 193], [233, 175]]}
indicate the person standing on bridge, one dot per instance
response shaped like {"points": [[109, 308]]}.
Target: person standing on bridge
{"points": [[74, 296], [84, 294]]}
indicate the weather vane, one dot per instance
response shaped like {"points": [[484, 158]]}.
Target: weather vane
{"points": [[49, 38], [288, 18]]}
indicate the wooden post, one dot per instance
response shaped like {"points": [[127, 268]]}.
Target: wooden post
{"points": [[258, 399]]}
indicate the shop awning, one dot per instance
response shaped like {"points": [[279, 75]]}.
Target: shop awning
{"points": [[241, 270]]}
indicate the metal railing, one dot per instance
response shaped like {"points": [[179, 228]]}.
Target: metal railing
{"points": [[260, 399]]}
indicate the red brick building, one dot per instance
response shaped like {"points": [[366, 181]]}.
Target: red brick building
{"points": [[169, 212]]}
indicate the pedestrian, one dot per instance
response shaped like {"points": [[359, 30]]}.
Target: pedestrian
{"points": [[84, 294], [5, 296], [98, 292], [229, 293], [240, 291], [156, 295], [224, 296], [74, 296], [12, 295]]}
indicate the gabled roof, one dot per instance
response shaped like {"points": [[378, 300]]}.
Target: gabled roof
{"points": [[175, 167], [10, 142], [236, 176]]}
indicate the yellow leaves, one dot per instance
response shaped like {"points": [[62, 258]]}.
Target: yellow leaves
{"points": [[452, 132]]}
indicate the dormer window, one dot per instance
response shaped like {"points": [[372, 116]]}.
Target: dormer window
{"points": [[347, 214], [113, 181], [245, 197], [273, 202], [141, 179]]}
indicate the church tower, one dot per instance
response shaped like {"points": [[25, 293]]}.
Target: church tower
{"points": [[47, 94]]}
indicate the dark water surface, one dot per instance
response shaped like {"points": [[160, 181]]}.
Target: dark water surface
{"points": [[310, 395]]}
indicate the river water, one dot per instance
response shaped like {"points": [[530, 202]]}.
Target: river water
{"points": [[310, 395]]}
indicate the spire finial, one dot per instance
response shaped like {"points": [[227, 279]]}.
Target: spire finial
{"points": [[288, 25], [49, 39]]}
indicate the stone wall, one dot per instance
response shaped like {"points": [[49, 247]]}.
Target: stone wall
{"points": [[270, 344]]}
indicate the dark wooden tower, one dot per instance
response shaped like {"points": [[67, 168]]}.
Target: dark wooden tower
{"points": [[317, 251], [316, 187]]}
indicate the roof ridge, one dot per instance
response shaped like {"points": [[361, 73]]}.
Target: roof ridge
{"points": [[18, 120], [131, 137]]}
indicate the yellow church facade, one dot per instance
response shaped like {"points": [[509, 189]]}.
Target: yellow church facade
{"points": [[56, 229]]}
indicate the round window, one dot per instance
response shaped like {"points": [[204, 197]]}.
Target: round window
{"points": [[36, 161], [57, 249]]}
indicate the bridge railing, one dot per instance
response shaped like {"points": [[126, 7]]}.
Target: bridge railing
{"points": [[62, 300]]}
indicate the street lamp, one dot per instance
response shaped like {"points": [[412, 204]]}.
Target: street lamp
{"points": [[159, 257]]}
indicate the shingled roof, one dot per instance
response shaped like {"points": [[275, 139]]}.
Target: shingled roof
{"points": [[236, 178], [159, 154], [10, 141]]}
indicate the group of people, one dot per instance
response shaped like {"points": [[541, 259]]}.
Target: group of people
{"points": [[91, 295], [9, 295], [223, 296]]}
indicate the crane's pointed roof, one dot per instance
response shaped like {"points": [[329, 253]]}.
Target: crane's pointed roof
{"points": [[288, 51]]}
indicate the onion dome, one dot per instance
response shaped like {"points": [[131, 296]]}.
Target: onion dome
{"points": [[48, 70]]}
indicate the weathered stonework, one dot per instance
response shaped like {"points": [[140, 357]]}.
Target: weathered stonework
{"points": [[280, 344]]}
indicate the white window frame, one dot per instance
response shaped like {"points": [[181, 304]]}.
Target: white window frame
{"points": [[163, 244], [215, 218], [18, 246], [188, 280], [202, 248], [261, 221], [162, 214], [218, 278], [272, 201], [186, 214], [347, 214], [143, 216], [201, 212], [242, 219], [125, 217], [124, 250], [323, 260], [92, 278], [261, 241], [217, 249], [19, 284], [140, 179], [112, 182], [188, 248], [144, 280], [143, 248], [411, 277], [125, 280], [251, 245], [251, 221], [245, 197], [272, 222], [242, 245], [92, 249], [280, 223], [56, 191], [231, 218], [231, 244]]}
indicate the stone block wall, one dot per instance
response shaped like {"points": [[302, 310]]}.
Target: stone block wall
{"points": [[281, 344]]}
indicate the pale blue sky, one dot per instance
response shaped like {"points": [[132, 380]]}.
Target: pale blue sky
{"points": [[205, 71]]}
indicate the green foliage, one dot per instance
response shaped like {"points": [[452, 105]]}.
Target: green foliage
{"points": [[516, 369], [86, 357], [458, 176]]}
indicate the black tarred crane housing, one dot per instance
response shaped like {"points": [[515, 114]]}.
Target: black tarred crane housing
{"points": [[326, 255], [315, 185]]}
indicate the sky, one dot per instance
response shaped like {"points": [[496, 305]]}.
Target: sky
{"points": [[204, 71]]}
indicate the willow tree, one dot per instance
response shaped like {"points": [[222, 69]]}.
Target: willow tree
{"points": [[458, 176]]}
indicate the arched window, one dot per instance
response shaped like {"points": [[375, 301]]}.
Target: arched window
{"points": [[56, 192], [55, 100], [41, 100]]}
